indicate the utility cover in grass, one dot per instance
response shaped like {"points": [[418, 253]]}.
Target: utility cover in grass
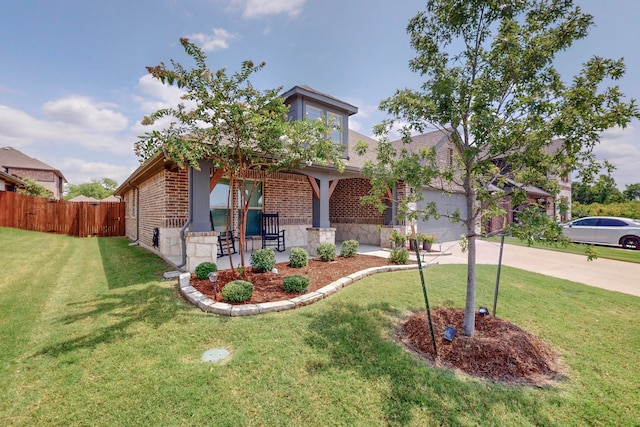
{"points": [[215, 355]]}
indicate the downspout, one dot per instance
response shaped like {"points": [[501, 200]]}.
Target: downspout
{"points": [[188, 222], [137, 213]]}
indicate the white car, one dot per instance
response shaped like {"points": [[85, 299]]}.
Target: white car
{"points": [[604, 230]]}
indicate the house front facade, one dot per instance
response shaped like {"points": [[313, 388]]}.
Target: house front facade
{"points": [[180, 213]]}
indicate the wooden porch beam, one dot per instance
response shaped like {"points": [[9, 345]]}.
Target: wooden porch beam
{"points": [[333, 186], [214, 179], [314, 187]]}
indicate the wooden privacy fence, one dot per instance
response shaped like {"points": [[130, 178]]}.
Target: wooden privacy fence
{"points": [[80, 219]]}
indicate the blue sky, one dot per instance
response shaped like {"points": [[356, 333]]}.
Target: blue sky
{"points": [[73, 83]]}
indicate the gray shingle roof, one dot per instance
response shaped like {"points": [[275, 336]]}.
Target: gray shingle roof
{"points": [[12, 158]]}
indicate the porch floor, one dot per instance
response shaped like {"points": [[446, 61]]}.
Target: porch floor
{"points": [[373, 250]]}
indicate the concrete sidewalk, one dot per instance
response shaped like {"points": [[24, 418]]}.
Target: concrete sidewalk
{"points": [[602, 273]]}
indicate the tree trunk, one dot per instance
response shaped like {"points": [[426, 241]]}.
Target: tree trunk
{"points": [[469, 324]]}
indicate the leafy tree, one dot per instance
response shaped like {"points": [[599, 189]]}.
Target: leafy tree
{"points": [[491, 85], [97, 188], [632, 192], [241, 129], [34, 188]]}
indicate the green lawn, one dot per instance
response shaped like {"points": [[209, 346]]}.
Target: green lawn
{"points": [[606, 252], [92, 335]]}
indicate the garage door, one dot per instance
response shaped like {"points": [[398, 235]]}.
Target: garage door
{"points": [[443, 228]]}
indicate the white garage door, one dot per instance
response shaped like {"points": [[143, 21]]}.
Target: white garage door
{"points": [[443, 228]]}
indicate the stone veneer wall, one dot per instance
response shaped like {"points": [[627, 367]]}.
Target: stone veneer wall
{"points": [[316, 236], [201, 247], [367, 234]]}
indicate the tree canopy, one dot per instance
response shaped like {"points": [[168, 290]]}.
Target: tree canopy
{"points": [[242, 130], [97, 188], [34, 188], [490, 83]]}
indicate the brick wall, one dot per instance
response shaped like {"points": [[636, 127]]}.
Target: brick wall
{"points": [[345, 206], [291, 196], [177, 199]]}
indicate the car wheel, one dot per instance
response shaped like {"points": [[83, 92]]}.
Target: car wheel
{"points": [[631, 242]]}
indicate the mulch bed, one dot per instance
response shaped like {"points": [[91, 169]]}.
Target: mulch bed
{"points": [[498, 351]]}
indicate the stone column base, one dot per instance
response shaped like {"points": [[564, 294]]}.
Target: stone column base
{"points": [[385, 235], [315, 236], [202, 246]]}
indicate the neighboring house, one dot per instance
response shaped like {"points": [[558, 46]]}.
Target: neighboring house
{"points": [[83, 198], [111, 199], [18, 164], [10, 183], [178, 213]]}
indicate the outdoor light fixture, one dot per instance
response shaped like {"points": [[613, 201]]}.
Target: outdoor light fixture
{"points": [[483, 311], [449, 333], [213, 276]]}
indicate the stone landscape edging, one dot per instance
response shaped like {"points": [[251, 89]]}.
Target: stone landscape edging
{"points": [[208, 305]]}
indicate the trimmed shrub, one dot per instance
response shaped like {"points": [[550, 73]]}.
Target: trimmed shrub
{"points": [[296, 283], [203, 269], [327, 251], [298, 257], [263, 260], [349, 248], [237, 291], [399, 256]]}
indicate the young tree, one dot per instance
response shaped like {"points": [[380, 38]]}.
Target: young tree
{"points": [[34, 188], [241, 129], [490, 83]]}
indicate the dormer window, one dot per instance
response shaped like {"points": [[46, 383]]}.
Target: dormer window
{"points": [[307, 103], [333, 118]]}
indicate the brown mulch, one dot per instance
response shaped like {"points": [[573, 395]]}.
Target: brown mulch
{"points": [[498, 351], [268, 286]]}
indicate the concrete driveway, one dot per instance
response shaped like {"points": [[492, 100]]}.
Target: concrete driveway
{"points": [[603, 273]]}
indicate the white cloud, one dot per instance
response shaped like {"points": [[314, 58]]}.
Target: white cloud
{"points": [[260, 8], [620, 147], [82, 111], [78, 171], [19, 129], [156, 95], [210, 43]]}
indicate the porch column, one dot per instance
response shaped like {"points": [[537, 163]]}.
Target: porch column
{"points": [[324, 203], [201, 220]]}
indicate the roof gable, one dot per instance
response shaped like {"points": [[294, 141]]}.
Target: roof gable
{"points": [[12, 158]]}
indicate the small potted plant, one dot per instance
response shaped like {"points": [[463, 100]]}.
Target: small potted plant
{"points": [[427, 240], [398, 239]]}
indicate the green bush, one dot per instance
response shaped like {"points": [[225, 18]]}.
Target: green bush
{"points": [[349, 248], [298, 258], [399, 256], [237, 291], [327, 251], [263, 260], [296, 283], [203, 269]]}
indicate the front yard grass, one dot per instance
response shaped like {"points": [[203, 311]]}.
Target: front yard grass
{"points": [[606, 252], [92, 335]]}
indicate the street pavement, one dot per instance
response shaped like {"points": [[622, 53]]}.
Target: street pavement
{"points": [[603, 273]]}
